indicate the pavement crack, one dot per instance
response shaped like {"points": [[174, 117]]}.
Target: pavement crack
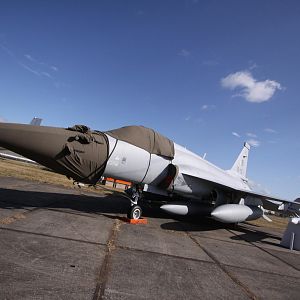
{"points": [[164, 254], [105, 267], [244, 287], [19, 216]]}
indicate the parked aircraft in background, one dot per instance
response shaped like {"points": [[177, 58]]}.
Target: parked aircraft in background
{"points": [[156, 165], [36, 121]]}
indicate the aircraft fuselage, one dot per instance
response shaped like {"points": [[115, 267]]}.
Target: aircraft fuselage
{"points": [[134, 164]]}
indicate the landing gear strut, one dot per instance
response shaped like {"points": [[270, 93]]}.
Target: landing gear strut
{"points": [[135, 211]]}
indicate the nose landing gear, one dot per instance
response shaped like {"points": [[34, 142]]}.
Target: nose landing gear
{"points": [[135, 211]]}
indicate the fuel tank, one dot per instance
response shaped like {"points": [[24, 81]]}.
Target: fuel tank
{"points": [[234, 213], [187, 208]]}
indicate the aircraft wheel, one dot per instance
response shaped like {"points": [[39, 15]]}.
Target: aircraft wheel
{"points": [[135, 212]]}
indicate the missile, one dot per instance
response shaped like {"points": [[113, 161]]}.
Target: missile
{"points": [[75, 152], [234, 213], [184, 208]]}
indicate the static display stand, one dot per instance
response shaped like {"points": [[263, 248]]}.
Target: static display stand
{"points": [[291, 236]]}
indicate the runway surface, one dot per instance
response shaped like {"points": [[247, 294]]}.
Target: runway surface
{"points": [[59, 243]]}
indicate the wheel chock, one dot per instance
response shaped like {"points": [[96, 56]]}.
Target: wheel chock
{"points": [[136, 221]]}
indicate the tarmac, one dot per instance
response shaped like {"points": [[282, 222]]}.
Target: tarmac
{"points": [[61, 243]]}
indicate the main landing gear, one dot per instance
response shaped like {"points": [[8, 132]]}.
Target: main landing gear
{"points": [[135, 211]]}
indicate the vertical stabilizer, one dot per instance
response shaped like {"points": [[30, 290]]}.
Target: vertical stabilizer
{"points": [[240, 165]]}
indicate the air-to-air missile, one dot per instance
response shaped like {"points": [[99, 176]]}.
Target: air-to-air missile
{"points": [[154, 163]]}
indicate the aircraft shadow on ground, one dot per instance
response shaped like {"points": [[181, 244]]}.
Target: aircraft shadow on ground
{"points": [[239, 231], [116, 204], [85, 202], [253, 235]]}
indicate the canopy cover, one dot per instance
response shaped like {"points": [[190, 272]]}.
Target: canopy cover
{"points": [[145, 138]]}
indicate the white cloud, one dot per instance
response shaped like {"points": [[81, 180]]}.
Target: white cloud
{"points": [[53, 68], [251, 89], [270, 130], [2, 120], [252, 65], [29, 57], [46, 74], [253, 143], [235, 134], [40, 64], [208, 107], [184, 53], [193, 120], [35, 72], [252, 135]]}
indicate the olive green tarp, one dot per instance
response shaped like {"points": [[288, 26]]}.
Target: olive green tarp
{"points": [[75, 152], [145, 138]]}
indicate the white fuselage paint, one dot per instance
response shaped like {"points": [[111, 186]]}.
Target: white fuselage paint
{"points": [[134, 164], [196, 167]]}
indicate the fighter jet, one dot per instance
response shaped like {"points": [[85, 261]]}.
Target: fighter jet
{"points": [[188, 184]]}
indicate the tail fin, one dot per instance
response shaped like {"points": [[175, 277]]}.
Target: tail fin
{"points": [[240, 165], [36, 121]]}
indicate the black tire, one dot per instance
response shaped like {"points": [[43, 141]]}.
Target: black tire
{"points": [[135, 212]]}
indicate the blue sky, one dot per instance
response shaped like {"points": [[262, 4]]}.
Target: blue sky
{"points": [[208, 74]]}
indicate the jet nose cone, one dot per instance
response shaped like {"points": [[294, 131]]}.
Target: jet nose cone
{"points": [[32, 141], [80, 155]]}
